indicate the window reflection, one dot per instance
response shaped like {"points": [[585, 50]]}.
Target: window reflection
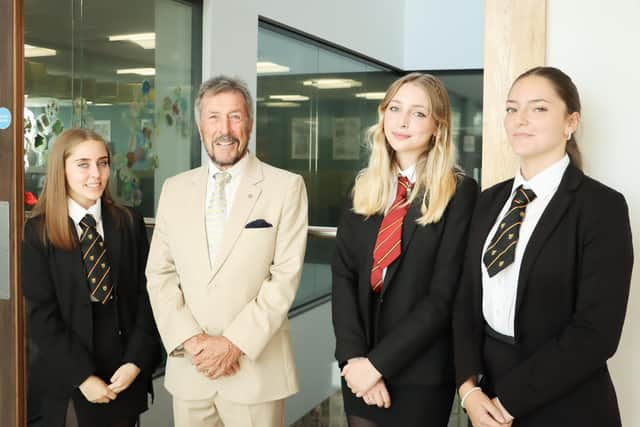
{"points": [[128, 75], [314, 105]]}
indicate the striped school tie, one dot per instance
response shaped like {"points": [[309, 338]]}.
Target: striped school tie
{"points": [[501, 251], [217, 213], [96, 261], [388, 242]]}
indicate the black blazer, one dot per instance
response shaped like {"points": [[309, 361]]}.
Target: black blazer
{"points": [[411, 316], [570, 307], [59, 313]]}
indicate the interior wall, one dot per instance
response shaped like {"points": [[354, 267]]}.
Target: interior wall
{"points": [[443, 35], [372, 28], [598, 48]]}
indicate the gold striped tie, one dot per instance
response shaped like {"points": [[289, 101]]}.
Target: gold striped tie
{"points": [[96, 261], [217, 213], [501, 251]]}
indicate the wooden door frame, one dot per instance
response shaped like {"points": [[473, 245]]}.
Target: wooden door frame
{"points": [[12, 325]]}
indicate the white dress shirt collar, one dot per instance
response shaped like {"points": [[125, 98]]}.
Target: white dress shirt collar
{"points": [[235, 170], [545, 182], [77, 212], [409, 173]]}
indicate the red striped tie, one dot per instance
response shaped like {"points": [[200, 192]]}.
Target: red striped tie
{"points": [[388, 245]]}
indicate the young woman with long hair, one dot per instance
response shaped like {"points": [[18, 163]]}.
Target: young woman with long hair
{"points": [[398, 256], [88, 312], [546, 278]]}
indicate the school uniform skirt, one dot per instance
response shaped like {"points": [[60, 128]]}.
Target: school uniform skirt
{"points": [[107, 353], [411, 406]]}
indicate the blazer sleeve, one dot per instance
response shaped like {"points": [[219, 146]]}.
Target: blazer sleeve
{"points": [[142, 346], [431, 316], [69, 359], [592, 336], [468, 323], [348, 326], [252, 328], [174, 319]]}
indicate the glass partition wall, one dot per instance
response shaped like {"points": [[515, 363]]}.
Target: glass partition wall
{"points": [[128, 71], [314, 105]]}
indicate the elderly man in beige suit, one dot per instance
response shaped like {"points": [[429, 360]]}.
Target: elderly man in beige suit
{"points": [[224, 266]]}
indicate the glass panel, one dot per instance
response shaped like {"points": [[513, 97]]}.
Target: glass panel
{"points": [[128, 71], [465, 97], [314, 105]]}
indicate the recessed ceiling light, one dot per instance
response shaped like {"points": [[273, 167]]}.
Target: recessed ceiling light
{"points": [[144, 40], [332, 83], [289, 97], [281, 104], [36, 51], [270, 67], [370, 95], [139, 71]]}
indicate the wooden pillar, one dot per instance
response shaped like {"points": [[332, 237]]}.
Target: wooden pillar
{"points": [[12, 342], [515, 39]]}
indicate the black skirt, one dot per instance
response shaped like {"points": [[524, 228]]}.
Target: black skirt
{"points": [[411, 405], [107, 353]]}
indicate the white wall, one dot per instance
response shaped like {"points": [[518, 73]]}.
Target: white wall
{"points": [[440, 35], [370, 27], [596, 43]]}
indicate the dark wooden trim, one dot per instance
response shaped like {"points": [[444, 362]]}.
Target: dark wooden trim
{"points": [[18, 214], [12, 332]]}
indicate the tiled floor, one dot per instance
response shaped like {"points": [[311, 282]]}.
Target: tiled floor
{"points": [[330, 413]]}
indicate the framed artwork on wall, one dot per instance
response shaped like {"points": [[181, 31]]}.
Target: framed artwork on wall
{"points": [[346, 138], [303, 138]]}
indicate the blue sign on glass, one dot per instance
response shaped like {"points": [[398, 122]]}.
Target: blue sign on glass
{"points": [[5, 118]]}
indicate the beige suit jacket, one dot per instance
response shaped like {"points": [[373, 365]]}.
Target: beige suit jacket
{"points": [[247, 292]]}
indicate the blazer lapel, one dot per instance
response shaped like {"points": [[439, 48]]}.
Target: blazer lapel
{"points": [[245, 199], [408, 228], [365, 246], [73, 260], [547, 223], [491, 216], [112, 240]]}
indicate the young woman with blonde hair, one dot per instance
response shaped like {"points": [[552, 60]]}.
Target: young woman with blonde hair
{"points": [[88, 312], [399, 250]]}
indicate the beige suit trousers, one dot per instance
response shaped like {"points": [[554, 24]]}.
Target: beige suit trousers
{"points": [[218, 412]]}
